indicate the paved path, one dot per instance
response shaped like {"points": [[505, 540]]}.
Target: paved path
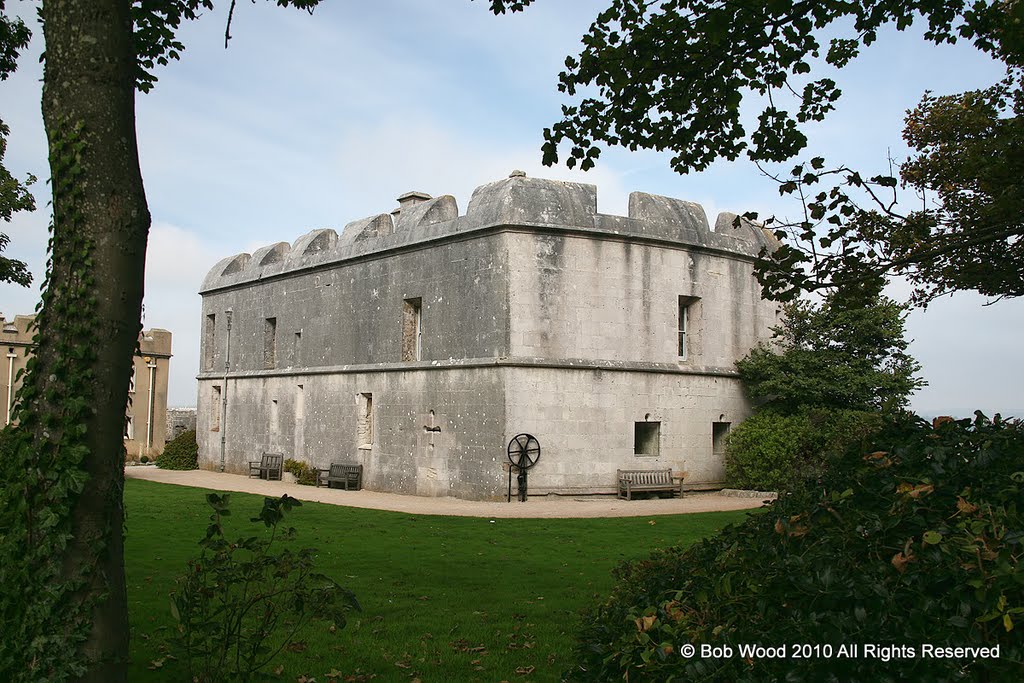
{"points": [[552, 506]]}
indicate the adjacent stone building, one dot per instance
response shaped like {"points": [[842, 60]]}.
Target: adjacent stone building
{"points": [[419, 342], [179, 421], [146, 413]]}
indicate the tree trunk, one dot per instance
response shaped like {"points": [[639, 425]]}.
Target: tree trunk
{"points": [[89, 324]]}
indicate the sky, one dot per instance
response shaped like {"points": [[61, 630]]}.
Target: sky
{"points": [[308, 122]]}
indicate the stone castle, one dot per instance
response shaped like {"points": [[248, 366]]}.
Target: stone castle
{"points": [[419, 342]]}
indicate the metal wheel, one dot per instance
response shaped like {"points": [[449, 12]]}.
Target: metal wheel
{"points": [[523, 451]]}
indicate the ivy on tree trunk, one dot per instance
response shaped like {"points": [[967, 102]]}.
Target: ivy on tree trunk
{"points": [[64, 463]]}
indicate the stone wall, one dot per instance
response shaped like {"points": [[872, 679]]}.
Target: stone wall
{"points": [[419, 342]]}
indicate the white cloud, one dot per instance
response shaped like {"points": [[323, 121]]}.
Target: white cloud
{"points": [[177, 260]]}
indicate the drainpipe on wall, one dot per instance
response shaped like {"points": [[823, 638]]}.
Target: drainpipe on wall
{"points": [[10, 383], [151, 364], [224, 392]]}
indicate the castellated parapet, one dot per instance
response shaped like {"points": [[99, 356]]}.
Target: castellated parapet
{"points": [[418, 342], [515, 201]]}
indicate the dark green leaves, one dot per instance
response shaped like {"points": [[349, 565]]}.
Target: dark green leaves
{"points": [[911, 537], [240, 602], [671, 75]]}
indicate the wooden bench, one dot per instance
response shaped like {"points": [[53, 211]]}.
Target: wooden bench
{"points": [[343, 474], [634, 481], [268, 467]]}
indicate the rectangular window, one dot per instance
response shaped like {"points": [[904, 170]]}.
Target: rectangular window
{"points": [[275, 423], [646, 438], [300, 403], [131, 382], [129, 429], [270, 343], [209, 339], [215, 408], [685, 323], [412, 332], [364, 428], [297, 348], [719, 430]]}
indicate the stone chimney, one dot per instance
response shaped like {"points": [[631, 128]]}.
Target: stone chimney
{"points": [[408, 199]]}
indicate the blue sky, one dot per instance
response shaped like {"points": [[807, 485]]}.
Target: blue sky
{"points": [[315, 121]]}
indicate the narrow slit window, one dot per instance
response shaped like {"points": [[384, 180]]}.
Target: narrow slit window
{"points": [[270, 343], [719, 430], [364, 428], [646, 438], [215, 408], [300, 403], [686, 317], [209, 340], [412, 329]]}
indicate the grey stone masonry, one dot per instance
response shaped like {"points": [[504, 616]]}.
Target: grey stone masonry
{"points": [[418, 342]]}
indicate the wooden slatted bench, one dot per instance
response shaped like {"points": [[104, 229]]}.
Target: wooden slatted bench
{"points": [[635, 481], [268, 467], [343, 474]]}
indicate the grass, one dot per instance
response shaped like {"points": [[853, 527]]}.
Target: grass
{"points": [[443, 598]]}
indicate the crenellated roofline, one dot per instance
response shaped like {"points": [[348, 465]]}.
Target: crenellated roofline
{"points": [[515, 201]]}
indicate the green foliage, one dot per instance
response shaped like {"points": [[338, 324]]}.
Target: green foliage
{"points": [[14, 194], [673, 75], [156, 23], [919, 541], [846, 353], [304, 472], [144, 459], [774, 451], [45, 606], [181, 453], [968, 238], [239, 603]]}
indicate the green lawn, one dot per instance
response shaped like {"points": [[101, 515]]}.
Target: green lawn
{"points": [[444, 598]]}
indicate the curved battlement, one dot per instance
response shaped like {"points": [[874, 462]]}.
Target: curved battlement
{"points": [[513, 201]]}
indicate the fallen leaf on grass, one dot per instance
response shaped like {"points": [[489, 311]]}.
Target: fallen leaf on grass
{"points": [[525, 670], [965, 507]]}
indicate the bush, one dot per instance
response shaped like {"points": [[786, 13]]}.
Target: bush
{"points": [[772, 451], [918, 541], [182, 453], [239, 603], [144, 459], [304, 472]]}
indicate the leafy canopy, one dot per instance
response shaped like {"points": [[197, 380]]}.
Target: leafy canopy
{"points": [[14, 194], [916, 539], [966, 234], [673, 74], [841, 354]]}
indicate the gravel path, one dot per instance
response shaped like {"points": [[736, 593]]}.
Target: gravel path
{"points": [[550, 506]]}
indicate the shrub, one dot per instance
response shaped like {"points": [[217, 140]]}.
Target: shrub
{"points": [[918, 541], [182, 453], [239, 603], [304, 472], [144, 459], [772, 451]]}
